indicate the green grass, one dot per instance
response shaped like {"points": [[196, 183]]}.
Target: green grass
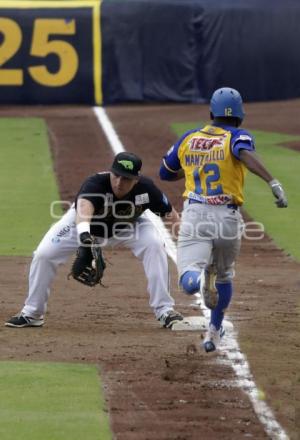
{"points": [[39, 400], [281, 224], [27, 183], [51, 402]]}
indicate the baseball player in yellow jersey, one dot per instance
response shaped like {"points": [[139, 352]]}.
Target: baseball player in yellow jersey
{"points": [[214, 160]]}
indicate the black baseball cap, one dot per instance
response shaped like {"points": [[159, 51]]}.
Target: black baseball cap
{"points": [[126, 165]]}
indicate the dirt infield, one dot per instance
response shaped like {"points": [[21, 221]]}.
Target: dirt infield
{"points": [[159, 384]]}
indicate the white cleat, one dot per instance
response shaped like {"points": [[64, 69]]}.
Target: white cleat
{"points": [[208, 287], [212, 338]]}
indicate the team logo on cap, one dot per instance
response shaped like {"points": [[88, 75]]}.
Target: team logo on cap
{"points": [[126, 164]]}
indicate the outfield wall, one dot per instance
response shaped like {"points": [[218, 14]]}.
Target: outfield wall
{"points": [[88, 51]]}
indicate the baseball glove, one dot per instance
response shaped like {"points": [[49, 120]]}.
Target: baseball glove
{"points": [[89, 265]]}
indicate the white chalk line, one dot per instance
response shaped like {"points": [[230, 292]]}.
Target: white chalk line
{"points": [[236, 359]]}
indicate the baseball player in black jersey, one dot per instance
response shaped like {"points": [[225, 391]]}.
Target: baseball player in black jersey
{"points": [[109, 207]]}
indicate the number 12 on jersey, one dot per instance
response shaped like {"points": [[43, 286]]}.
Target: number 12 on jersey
{"points": [[212, 172]]}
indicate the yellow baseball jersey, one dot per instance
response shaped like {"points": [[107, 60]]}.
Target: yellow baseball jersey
{"points": [[210, 160]]}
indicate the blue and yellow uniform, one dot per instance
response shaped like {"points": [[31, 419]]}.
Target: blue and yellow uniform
{"points": [[209, 156], [211, 224]]}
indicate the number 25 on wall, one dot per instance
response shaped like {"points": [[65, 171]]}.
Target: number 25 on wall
{"points": [[41, 46]]}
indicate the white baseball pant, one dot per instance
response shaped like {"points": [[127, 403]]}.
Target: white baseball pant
{"points": [[209, 234], [61, 241]]}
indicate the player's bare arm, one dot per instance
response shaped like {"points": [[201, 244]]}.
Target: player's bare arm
{"points": [[85, 211], [254, 164]]}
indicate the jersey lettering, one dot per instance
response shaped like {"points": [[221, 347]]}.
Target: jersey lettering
{"points": [[205, 144]]}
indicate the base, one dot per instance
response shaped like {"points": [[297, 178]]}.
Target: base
{"points": [[197, 323]]}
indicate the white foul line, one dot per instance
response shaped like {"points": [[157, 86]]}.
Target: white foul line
{"points": [[236, 359]]}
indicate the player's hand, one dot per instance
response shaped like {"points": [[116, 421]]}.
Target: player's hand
{"points": [[89, 265], [278, 193]]}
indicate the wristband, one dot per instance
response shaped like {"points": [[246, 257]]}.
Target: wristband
{"points": [[83, 227]]}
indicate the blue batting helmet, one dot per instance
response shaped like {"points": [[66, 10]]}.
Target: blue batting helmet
{"points": [[227, 102]]}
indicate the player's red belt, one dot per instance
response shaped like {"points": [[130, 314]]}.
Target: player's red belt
{"points": [[230, 205]]}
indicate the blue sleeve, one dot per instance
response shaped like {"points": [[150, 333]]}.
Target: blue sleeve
{"points": [[166, 174], [171, 163], [241, 140], [171, 159]]}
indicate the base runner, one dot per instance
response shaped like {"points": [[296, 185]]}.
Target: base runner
{"points": [[213, 160]]}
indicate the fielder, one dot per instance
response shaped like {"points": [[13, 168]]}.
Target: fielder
{"points": [[213, 160], [108, 211]]}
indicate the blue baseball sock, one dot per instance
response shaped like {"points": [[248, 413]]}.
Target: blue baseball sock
{"points": [[190, 281], [225, 294]]}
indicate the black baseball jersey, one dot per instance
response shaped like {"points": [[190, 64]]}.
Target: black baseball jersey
{"points": [[112, 214]]}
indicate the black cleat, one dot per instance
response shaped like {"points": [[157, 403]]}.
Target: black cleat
{"points": [[20, 321]]}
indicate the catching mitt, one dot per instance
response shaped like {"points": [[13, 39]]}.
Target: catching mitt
{"points": [[89, 265]]}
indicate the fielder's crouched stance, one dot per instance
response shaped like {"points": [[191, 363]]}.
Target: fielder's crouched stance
{"points": [[107, 212], [213, 160]]}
